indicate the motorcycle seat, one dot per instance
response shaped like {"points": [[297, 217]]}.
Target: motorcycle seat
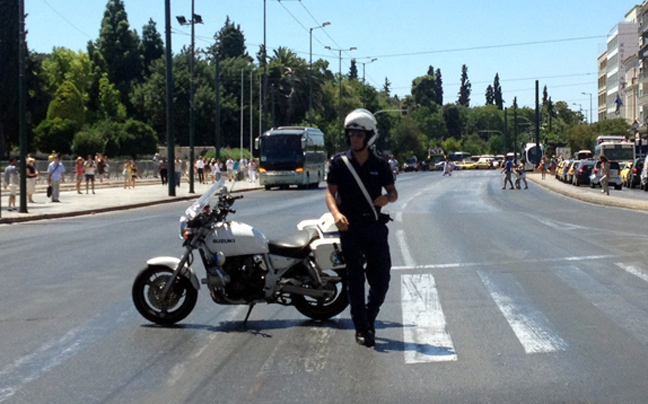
{"points": [[294, 246]]}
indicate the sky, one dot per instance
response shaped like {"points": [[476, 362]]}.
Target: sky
{"points": [[554, 42]]}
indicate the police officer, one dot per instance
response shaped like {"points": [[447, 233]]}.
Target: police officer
{"points": [[363, 233]]}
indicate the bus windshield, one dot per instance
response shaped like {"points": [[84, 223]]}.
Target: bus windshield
{"points": [[281, 151], [616, 151]]}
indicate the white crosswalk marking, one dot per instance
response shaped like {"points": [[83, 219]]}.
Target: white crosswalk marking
{"points": [[531, 326], [634, 270], [616, 307], [424, 324]]}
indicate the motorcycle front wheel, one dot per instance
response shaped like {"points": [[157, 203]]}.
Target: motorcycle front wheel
{"points": [[147, 290], [323, 309]]}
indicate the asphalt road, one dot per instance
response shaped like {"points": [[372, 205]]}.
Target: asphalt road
{"points": [[496, 296]]}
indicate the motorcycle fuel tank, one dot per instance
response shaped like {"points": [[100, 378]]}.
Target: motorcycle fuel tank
{"points": [[234, 239]]}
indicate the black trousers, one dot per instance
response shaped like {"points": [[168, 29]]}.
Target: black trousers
{"points": [[360, 244]]}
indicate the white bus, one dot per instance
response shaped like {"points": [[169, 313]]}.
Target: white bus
{"points": [[615, 151], [291, 155]]}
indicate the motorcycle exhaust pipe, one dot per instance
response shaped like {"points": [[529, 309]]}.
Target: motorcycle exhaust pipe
{"points": [[306, 292]]}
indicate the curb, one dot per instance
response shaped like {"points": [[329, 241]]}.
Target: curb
{"points": [[601, 200], [85, 212]]}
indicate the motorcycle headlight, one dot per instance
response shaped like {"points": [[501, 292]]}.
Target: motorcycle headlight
{"points": [[183, 227]]}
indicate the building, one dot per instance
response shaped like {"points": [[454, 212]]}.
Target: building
{"points": [[642, 57], [602, 86], [622, 42]]}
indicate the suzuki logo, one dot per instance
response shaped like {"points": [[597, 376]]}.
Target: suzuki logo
{"points": [[223, 240]]}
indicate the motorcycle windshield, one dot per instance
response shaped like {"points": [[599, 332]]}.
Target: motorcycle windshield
{"points": [[198, 206]]}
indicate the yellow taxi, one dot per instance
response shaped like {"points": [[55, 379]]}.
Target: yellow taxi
{"points": [[626, 167]]}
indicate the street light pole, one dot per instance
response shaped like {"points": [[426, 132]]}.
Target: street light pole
{"points": [[590, 111], [341, 133], [580, 108], [195, 19], [310, 74], [363, 68]]}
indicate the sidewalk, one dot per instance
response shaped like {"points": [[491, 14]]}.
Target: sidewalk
{"points": [[625, 198], [109, 196]]}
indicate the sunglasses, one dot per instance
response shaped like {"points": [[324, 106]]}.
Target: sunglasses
{"points": [[356, 133]]}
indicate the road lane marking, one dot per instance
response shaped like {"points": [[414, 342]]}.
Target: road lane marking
{"points": [[405, 252], [633, 270], [34, 365], [424, 325], [531, 327], [614, 306], [407, 267]]}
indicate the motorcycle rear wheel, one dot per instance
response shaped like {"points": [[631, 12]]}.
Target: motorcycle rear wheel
{"points": [[323, 309], [177, 305]]}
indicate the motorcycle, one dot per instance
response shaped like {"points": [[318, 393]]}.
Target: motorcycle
{"points": [[243, 267]]}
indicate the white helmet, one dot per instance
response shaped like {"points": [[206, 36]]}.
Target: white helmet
{"points": [[361, 119]]}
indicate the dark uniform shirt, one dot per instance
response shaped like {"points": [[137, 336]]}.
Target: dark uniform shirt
{"points": [[375, 173]]}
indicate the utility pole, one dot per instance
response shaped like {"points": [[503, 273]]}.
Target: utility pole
{"points": [[22, 106], [169, 100]]}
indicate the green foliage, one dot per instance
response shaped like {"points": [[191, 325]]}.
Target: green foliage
{"points": [[424, 91], [67, 104], [110, 106], [152, 45], [138, 139], [56, 134], [88, 142], [465, 88], [451, 145], [454, 123], [234, 154], [230, 42], [66, 65]]}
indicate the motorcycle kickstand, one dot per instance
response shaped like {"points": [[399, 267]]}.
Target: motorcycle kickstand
{"points": [[248, 314]]}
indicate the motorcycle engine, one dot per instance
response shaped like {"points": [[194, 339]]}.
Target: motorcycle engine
{"points": [[246, 278]]}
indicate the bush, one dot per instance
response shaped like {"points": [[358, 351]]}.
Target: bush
{"points": [[88, 142], [234, 154], [56, 134]]}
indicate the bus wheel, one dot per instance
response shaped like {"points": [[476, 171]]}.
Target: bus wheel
{"points": [[267, 187]]}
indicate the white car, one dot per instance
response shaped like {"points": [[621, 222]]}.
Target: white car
{"points": [[615, 175]]}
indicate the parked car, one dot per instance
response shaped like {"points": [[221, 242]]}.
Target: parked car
{"points": [[615, 176], [565, 170], [559, 169], [484, 163], [570, 174], [643, 179], [582, 172], [634, 175]]}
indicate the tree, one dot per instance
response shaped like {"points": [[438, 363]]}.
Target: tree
{"points": [[230, 42], [497, 92], [138, 139], [67, 104], [465, 88], [387, 86], [56, 134], [120, 48], [64, 64], [424, 91], [490, 96], [439, 89], [88, 142], [452, 118], [152, 45], [110, 106]]}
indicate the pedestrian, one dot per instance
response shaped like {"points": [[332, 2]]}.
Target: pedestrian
{"points": [[134, 173], [78, 173], [32, 176], [215, 170], [177, 166], [101, 166], [363, 229], [522, 170], [11, 181], [252, 170], [542, 167], [56, 175], [230, 169], [127, 172], [90, 168], [447, 168], [507, 169], [163, 170], [243, 167], [200, 169], [605, 174]]}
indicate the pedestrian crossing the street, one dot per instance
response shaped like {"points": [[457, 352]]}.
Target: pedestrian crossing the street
{"points": [[426, 335]]}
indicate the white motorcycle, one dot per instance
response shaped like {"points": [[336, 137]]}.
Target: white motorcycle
{"points": [[242, 266]]}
